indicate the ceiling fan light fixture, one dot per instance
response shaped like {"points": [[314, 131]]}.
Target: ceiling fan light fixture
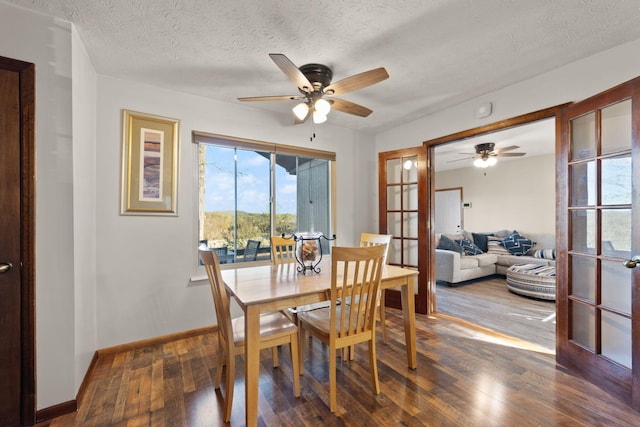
{"points": [[319, 118], [301, 110], [322, 106], [485, 162], [480, 163]]}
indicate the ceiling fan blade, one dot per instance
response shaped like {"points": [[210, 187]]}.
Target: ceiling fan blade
{"points": [[509, 148], [457, 160], [291, 71], [357, 81], [350, 107], [272, 98], [501, 154]]}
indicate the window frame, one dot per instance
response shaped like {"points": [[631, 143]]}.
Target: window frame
{"points": [[199, 138]]}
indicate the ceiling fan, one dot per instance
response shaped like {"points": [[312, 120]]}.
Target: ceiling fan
{"points": [[314, 83], [486, 154]]}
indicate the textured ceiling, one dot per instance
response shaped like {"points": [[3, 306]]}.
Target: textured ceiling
{"points": [[438, 53]]}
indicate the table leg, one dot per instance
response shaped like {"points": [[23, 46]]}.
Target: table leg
{"points": [[409, 314], [252, 363]]}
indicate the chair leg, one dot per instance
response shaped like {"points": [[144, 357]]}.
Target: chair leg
{"points": [[381, 316], [332, 378], [274, 355], [301, 344], [374, 366], [231, 374], [295, 365]]}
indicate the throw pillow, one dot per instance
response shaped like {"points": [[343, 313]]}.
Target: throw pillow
{"points": [[450, 245], [545, 253], [480, 239], [469, 247], [494, 246], [517, 244]]}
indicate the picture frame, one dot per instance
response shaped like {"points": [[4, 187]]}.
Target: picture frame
{"points": [[150, 158]]}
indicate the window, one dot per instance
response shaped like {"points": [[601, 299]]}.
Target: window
{"points": [[251, 190]]}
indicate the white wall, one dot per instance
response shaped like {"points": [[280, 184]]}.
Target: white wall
{"points": [[46, 42], [84, 88], [516, 195], [144, 263]]}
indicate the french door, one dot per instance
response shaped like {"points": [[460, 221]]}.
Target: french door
{"points": [[403, 212], [598, 231]]}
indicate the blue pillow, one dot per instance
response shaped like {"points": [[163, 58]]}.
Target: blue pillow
{"points": [[449, 244], [481, 240], [517, 244], [469, 247]]}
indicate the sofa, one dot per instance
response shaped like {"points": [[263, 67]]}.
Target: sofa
{"points": [[490, 253]]}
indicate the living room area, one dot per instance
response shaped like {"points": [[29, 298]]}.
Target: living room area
{"points": [[495, 231]]}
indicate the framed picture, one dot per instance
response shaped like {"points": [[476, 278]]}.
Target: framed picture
{"points": [[150, 149]]}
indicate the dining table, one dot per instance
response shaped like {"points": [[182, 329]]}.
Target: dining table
{"points": [[269, 288]]}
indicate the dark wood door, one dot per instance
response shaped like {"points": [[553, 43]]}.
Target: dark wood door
{"points": [[598, 306], [17, 390]]}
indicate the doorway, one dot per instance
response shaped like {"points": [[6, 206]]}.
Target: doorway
{"points": [[517, 192], [17, 248], [479, 215]]}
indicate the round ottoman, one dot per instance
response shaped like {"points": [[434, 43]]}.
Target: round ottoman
{"points": [[532, 280]]}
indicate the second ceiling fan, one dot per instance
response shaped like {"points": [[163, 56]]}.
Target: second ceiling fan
{"points": [[486, 154], [317, 91]]}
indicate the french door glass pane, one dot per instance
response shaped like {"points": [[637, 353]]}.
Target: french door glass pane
{"points": [[616, 232], [394, 171], [410, 224], [616, 286], [410, 197], [583, 226], [583, 184], [584, 325], [616, 127], [410, 167], [616, 342], [410, 252], [583, 137], [393, 197], [616, 181], [583, 277], [394, 223]]}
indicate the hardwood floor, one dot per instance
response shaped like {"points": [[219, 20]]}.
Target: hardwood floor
{"points": [[466, 376], [489, 303]]}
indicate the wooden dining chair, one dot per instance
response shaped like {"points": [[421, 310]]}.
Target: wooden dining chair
{"points": [[355, 275], [370, 239], [283, 251], [275, 330]]}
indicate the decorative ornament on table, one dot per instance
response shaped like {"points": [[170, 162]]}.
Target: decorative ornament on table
{"points": [[308, 250]]}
